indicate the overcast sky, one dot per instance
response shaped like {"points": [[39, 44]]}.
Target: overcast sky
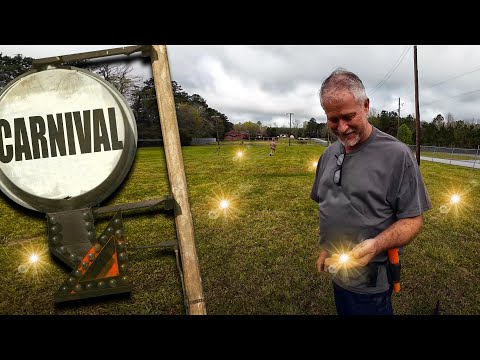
{"points": [[263, 83]]}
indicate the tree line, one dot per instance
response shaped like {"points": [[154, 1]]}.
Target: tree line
{"points": [[196, 119], [439, 132]]}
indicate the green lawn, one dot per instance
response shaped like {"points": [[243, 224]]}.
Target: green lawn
{"points": [[259, 257]]}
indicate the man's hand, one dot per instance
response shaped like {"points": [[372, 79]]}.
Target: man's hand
{"points": [[340, 261], [321, 261], [364, 252], [360, 255]]}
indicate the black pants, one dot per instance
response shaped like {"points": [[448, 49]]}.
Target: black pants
{"points": [[350, 303]]}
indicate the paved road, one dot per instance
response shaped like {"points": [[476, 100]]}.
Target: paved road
{"points": [[467, 163]]}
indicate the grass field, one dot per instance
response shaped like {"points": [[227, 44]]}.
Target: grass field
{"points": [[259, 256]]}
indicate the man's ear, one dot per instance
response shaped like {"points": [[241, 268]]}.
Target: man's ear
{"points": [[366, 105]]}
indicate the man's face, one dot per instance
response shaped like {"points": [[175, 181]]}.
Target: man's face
{"points": [[347, 119]]}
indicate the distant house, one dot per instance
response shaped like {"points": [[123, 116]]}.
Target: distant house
{"points": [[235, 135]]}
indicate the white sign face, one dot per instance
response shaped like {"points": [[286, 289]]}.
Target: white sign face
{"points": [[67, 139]]}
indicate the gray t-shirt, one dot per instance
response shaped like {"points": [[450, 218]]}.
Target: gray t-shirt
{"points": [[380, 183]]}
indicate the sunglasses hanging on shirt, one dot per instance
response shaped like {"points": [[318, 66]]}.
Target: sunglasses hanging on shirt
{"points": [[337, 175]]}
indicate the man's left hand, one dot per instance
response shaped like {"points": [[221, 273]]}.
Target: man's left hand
{"points": [[364, 252], [360, 255]]}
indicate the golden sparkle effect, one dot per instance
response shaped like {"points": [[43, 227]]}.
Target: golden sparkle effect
{"points": [[342, 260], [239, 155], [33, 258], [312, 164], [456, 200], [223, 205], [34, 261]]}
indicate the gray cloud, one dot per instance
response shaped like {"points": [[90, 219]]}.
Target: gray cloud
{"points": [[263, 83]]}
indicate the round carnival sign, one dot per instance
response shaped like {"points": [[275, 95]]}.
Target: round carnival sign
{"points": [[67, 139]]}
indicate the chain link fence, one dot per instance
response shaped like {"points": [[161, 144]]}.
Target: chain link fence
{"points": [[453, 156], [321, 141]]}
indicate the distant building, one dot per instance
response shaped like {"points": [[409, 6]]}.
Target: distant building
{"points": [[235, 135]]}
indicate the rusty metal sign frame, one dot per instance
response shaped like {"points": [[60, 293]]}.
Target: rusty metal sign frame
{"points": [[187, 260]]}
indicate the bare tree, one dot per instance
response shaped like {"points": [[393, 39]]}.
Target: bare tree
{"points": [[450, 119], [295, 125], [119, 76], [260, 128]]}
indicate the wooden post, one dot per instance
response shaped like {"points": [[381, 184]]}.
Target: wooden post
{"points": [[417, 107], [178, 181]]}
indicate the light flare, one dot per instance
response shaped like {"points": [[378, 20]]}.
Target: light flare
{"points": [[34, 258], [344, 258], [34, 261], [224, 204], [239, 155], [454, 199], [343, 261], [312, 164]]}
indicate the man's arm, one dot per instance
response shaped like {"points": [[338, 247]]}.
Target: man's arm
{"points": [[400, 233]]}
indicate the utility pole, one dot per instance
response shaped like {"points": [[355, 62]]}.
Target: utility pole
{"points": [[417, 108], [290, 127], [398, 121]]}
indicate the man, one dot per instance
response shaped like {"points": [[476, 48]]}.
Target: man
{"points": [[273, 147], [371, 197]]}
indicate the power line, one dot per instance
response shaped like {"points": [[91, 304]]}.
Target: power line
{"points": [[395, 66], [390, 73], [455, 77], [451, 97]]}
